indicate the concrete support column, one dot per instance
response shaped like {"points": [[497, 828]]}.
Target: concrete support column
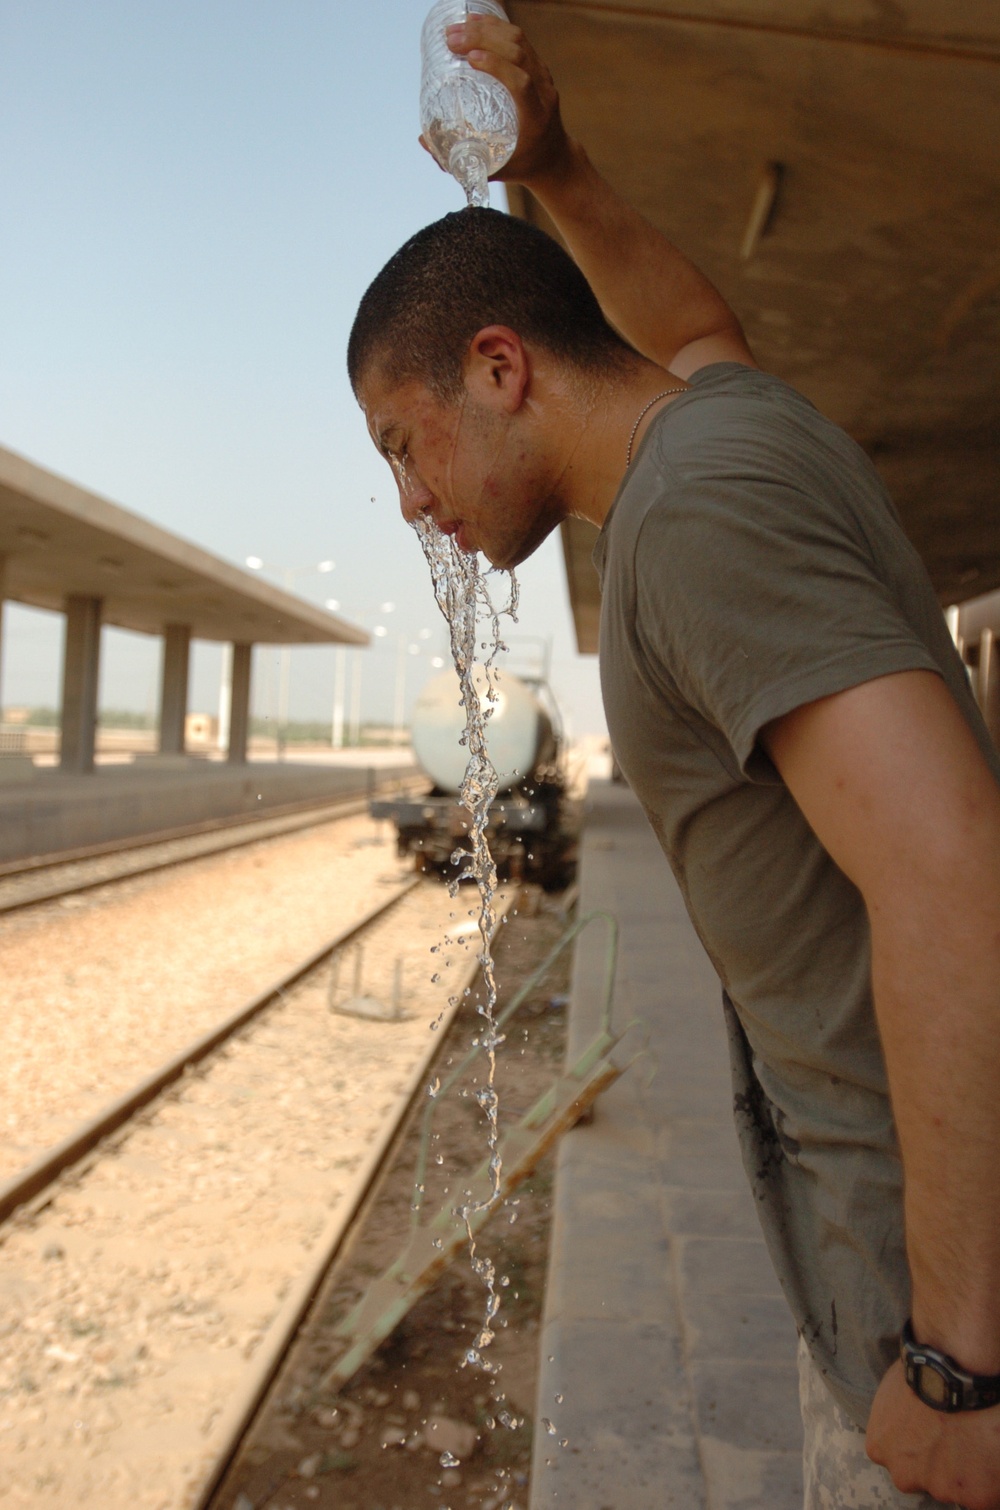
{"points": [[174, 687], [339, 684], [239, 705], [225, 697], [81, 665], [3, 575], [988, 682]]}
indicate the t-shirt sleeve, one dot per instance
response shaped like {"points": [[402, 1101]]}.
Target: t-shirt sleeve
{"points": [[756, 600]]}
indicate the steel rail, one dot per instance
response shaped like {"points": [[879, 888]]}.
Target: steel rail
{"points": [[246, 1402], [252, 831], [38, 1176]]}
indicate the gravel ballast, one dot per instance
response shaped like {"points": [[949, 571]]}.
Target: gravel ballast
{"points": [[133, 1304], [101, 988]]}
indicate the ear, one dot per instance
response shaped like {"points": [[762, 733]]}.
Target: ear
{"points": [[497, 368]]}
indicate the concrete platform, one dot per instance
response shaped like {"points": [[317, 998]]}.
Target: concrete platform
{"points": [[668, 1354], [53, 811]]}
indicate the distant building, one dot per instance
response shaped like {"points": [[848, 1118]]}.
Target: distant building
{"points": [[201, 729]]}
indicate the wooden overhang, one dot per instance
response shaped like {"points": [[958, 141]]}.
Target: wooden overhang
{"points": [[57, 540], [833, 167]]}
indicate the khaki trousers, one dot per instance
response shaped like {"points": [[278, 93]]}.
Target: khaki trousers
{"points": [[838, 1473]]}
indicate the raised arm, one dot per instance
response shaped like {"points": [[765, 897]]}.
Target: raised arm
{"points": [[893, 783], [648, 289]]}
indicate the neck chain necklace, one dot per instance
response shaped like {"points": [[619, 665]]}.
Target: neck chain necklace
{"points": [[642, 415]]}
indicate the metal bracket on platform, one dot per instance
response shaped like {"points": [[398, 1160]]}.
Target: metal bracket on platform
{"points": [[432, 1246]]}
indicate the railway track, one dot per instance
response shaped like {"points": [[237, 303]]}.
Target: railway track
{"points": [[39, 1176], [243, 1144], [26, 883]]}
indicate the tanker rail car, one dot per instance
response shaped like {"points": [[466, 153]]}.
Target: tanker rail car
{"points": [[529, 834]]}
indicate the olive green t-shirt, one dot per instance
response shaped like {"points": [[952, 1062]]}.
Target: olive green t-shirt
{"points": [[751, 563]]}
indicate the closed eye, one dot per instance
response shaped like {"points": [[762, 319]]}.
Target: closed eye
{"points": [[397, 458], [394, 453]]}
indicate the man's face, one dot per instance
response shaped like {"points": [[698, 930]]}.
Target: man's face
{"points": [[463, 465]]}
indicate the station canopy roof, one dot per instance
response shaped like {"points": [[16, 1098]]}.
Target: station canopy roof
{"points": [[59, 540], [866, 137]]}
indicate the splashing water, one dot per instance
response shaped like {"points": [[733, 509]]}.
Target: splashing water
{"points": [[463, 597]]}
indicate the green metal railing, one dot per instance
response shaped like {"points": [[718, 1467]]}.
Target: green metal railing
{"points": [[517, 1001]]}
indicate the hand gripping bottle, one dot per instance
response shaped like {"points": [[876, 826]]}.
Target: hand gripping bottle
{"points": [[469, 119]]}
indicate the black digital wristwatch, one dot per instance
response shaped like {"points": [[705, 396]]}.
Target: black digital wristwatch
{"points": [[939, 1382]]}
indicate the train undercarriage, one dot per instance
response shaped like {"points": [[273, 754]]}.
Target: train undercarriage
{"points": [[529, 836]]}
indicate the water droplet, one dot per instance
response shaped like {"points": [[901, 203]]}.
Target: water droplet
{"points": [[548, 1426], [434, 1086], [435, 979], [559, 1399], [448, 1460]]}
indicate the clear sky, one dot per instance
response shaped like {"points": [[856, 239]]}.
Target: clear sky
{"points": [[194, 197]]}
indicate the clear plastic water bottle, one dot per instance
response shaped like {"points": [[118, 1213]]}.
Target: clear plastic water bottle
{"points": [[469, 119]]}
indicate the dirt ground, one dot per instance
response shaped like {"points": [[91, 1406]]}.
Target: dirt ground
{"points": [[415, 1430]]}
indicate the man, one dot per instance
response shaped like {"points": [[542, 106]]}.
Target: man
{"points": [[785, 701]]}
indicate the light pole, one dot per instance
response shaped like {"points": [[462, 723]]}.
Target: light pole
{"points": [[380, 632], [288, 575], [404, 647], [339, 686], [397, 710], [357, 666], [399, 695], [347, 702]]}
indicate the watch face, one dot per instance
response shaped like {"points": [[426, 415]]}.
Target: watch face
{"points": [[931, 1386]]}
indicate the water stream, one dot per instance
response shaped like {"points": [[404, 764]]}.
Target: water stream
{"points": [[470, 157], [463, 597]]}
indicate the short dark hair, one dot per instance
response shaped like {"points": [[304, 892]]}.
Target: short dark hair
{"points": [[473, 268]]}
